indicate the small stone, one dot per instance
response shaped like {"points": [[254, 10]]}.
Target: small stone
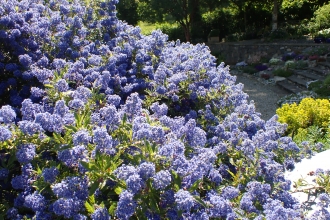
{"points": [[278, 79]]}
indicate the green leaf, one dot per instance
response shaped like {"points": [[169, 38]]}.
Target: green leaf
{"points": [[91, 199], [93, 188], [124, 118], [118, 190], [113, 208], [57, 138], [195, 185], [86, 165], [153, 203], [231, 160], [73, 128], [177, 180], [49, 86], [90, 209], [200, 201], [11, 161]]}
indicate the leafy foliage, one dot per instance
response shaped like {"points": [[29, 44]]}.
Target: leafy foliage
{"points": [[322, 88], [121, 125], [282, 72], [309, 112], [321, 19]]}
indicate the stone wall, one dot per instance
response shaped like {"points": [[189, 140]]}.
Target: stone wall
{"points": [[252, 52]]}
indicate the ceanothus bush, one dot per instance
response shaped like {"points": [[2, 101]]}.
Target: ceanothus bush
{"points": [[99, 121]]}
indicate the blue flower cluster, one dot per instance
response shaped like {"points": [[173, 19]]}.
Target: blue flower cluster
{"points": [[99, 121]]}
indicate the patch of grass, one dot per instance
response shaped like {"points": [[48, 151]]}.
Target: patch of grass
{"points": [[146, 28], [282, 72]]}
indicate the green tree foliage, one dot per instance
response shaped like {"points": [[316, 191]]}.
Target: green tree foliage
{"points": [[246, 19], [300, 9], [185, 12], [321, 19], [127, 11]]}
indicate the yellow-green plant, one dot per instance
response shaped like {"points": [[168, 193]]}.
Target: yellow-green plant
{"points": [[309, 112]]}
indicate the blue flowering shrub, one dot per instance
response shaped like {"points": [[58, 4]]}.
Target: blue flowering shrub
{"points": [[98, 121]]}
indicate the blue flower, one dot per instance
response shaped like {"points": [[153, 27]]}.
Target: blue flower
{"points": [[35, 201], [20, 182], [81, 137], [76, 104], [230, 192], [159, 110], [94, 60], [171, 149], [220, 207], [126, 205], [110, 116], [67, 207], [25, 60], [72, 157], [134, 183], [162, 179], [114, 100], [37, 93], [79, 217], [125, 171], [62, 85], [100, 214], [59, 63], [82, 93], [72, 187], [133, 106], [184, 200], [103, 141], [274, 210], [12, 213], [60, 108], [50, 174], [49, 122], [5, 134], [7, 114], [4, 173], [146, 170], [26, 153]]}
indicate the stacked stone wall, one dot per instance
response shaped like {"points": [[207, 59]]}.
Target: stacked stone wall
{"points": [[232, 53]]}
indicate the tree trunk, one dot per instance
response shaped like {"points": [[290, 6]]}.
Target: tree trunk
{"points": [[187, 33], [275, 15]]}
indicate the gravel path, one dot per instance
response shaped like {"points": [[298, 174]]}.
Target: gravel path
{"points": [[265, 96]]}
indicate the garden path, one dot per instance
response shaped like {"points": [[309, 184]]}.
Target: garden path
{"points": [[265, 96]]}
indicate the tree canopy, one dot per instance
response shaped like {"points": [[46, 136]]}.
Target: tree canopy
{"points": [[251, 18]]}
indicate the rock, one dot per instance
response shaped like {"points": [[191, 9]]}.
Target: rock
{"points": [[278, 79], [304, 170], [312, 63], [243, 63]]}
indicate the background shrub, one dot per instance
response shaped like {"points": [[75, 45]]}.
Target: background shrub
{"points": [[120, 125], [249, 69], [322, 88], [173, 31], [309, 112], [282, 72], [321, 18]]}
